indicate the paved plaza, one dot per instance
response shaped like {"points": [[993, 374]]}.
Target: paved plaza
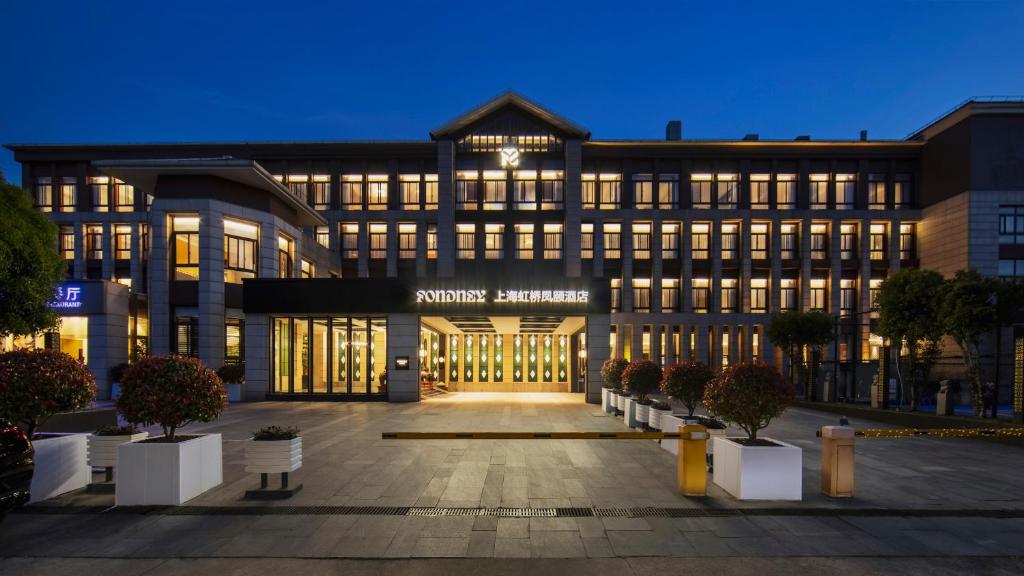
{"points": [[917, 500]]}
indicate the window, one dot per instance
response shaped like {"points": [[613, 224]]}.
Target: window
{"points": [[465, 240], [186, 336], [901, 191], [588, 192], [122, 242], [612, 240], [587, 241], [759, 190], [611, 187], [285, 257], [907, 248], [430, 191], [321, 192], [494, 189], [759, 241], [641, 241], [643, 191], [552, 241], [44, 194], [670, 295], [407, 241], [728, 190], [67, 242], [431, 241], [848, 241], [525, 189], [240, 254], [1010, 269], [185, 244], [234, 341], [847, 297], [377, 191], [144, 241], [874, 287], [298, 185], [349, 240], [352, 191], [730, 295], [323, 236], [819, 191], [124, 196], [700, 293], [552, 189], [785, 191], [876, 191], [524, 241], [494, 241], [819, 241], [307, 270], [1011, 224], [670, 241], [378, 232], [787, 240], [758, 295], [94, 242], [730, 241], [846, 191], [68, 193], [616, 294], [99, 188], [409, 185], [818, 299], [466, 190], [700, 190], [641, 294], [877, 241], [700, 241], [668, 191], [787, 294]]}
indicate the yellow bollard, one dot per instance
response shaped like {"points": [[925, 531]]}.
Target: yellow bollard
{"points": [[837, 461], [692, 470]]}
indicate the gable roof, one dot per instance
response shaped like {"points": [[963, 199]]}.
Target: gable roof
{"points": [[513, 99]]}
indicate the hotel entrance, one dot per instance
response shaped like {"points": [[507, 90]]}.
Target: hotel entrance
{"points": [[502, 353]]}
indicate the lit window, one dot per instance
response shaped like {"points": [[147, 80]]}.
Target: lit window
{"points": [[907, 244], [788, 241], [785, 191], [846, 190], [847, 296], [234, 338], [285, 257], [787, 294], [759, 241], [44, 194], [68, 193], [430, 192], [349, 240], [407, 241], [611, 189], [876, 191], [759, 184], [877, 240], [431, 241], [185, 247], [67, 242], [700, 294], [465, 239], [700, 241], [589, 190], [494, 189], [819, 191], [99, 187], [670, 295], [378, 232], [730, 241], [352, 191], [616, 294], [410, 191], [670, 240], [552, 193], [466, 190], [668, 191], [323, 236], [641, 241], [819, 241], [758, 295], [524, 241], [552, 241], [94, 242], [122, 242], [848, 241], [494, 241], [728, 190], [730, 295], [525, 191], [308, 270], [641, 294], [643, 191], [321, 191], [298, 185], [700, 190], [901, 191], [377, 191], [587, 240], [240, 254], [612, 240], [818, 297]]}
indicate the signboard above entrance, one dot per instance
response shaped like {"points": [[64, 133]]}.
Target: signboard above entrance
{"points": [[502, 296]]}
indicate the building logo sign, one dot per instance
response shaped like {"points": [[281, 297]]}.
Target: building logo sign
{"points": [[502, 296], [67, 298], [509, 157]]}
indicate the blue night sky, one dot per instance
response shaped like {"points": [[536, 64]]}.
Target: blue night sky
{"points": [[173, 71]]}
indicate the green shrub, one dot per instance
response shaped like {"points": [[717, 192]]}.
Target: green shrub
{"points": [[270, 433], [686, 383], [36, 384], [171, 391], [641, 377], [611, 372], [749, 395], [233, 373]]}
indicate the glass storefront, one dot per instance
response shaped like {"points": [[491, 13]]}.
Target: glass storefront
{"points": [[71, 336], [339, 355]]}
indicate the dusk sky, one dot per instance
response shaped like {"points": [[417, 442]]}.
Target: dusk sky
{"points": [[182, 71]]}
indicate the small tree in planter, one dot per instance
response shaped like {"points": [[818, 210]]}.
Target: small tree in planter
{"points": [[611, 373], [273, 449], [233, 376], [170, 391], [641, 377], [749, 395], [686, 383]]}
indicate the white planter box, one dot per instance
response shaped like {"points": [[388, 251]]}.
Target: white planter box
{"points": [[642, 412], [629, 413], [103, 449], [273, 456], [607, 400], [234, 392], [656, 417], [152, 473], [672, 422], [60, 466], [758, 472]]}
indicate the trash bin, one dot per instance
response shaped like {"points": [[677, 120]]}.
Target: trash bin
{"points": [[837, 461]]}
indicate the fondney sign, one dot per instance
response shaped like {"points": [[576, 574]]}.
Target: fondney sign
{"points": [[463, 296]]}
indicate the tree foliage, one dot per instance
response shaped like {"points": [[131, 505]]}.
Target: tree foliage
{"points": [[641, 377], [793, 331], [686, 383], [30, 266], [969, 312], [171, 391], [611, 372], [748, 394], [36, 384]]}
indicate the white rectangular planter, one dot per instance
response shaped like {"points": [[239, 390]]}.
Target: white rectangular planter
{"points": [[657, 417], [672, 422], [643, 412], [153, 473], [758, 472], [273, 456], [61, 466], [629, 413], [607, 400], [103, 449]]}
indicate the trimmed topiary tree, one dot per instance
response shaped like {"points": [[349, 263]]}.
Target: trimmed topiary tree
{"points": [[686, 383], [36, 384], [641, 377], [749, 395], [171, 391], [233, 373], [611, 371]]}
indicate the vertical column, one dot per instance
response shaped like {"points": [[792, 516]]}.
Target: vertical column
{"points": [[573, 207], [392, 243], [836, 263], [656, 266], [775, 290], [598, 247], [805, 264], [745, 264], [363, 247], [445, 209], [768, 351], [894, 246], [685, 287], [715, 304], [79, 272], [107, 270], [136, 257], [598, 327], [736, 349], [257, 357], [638, 340], [421, 249], [863, 320], [627, 266], [702, 342], [670, 351], [211, 288], [656, 331], [402, 340], [159, 283]]}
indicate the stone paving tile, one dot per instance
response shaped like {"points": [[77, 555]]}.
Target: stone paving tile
{"points": [[553, 524], [590, 527], [638, 543], [513, 528], [488, 523], [481, 545], [553, 544], [598, 547], [428, 547], [511, 548], [618, 524]]}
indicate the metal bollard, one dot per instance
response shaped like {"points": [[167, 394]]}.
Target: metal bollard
{"points": [[691, 469], [837, 461]]}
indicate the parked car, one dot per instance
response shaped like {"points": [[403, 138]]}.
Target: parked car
{"points": [[16, 467]]}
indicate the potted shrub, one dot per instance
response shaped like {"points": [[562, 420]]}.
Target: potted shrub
{"points": [[102, 451], [686, 383], [233, 376], [641, 378], [611, 373], [273, 449], [116, 374], [34, 385], [749, 395], [169, 391], [658, 410]]}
